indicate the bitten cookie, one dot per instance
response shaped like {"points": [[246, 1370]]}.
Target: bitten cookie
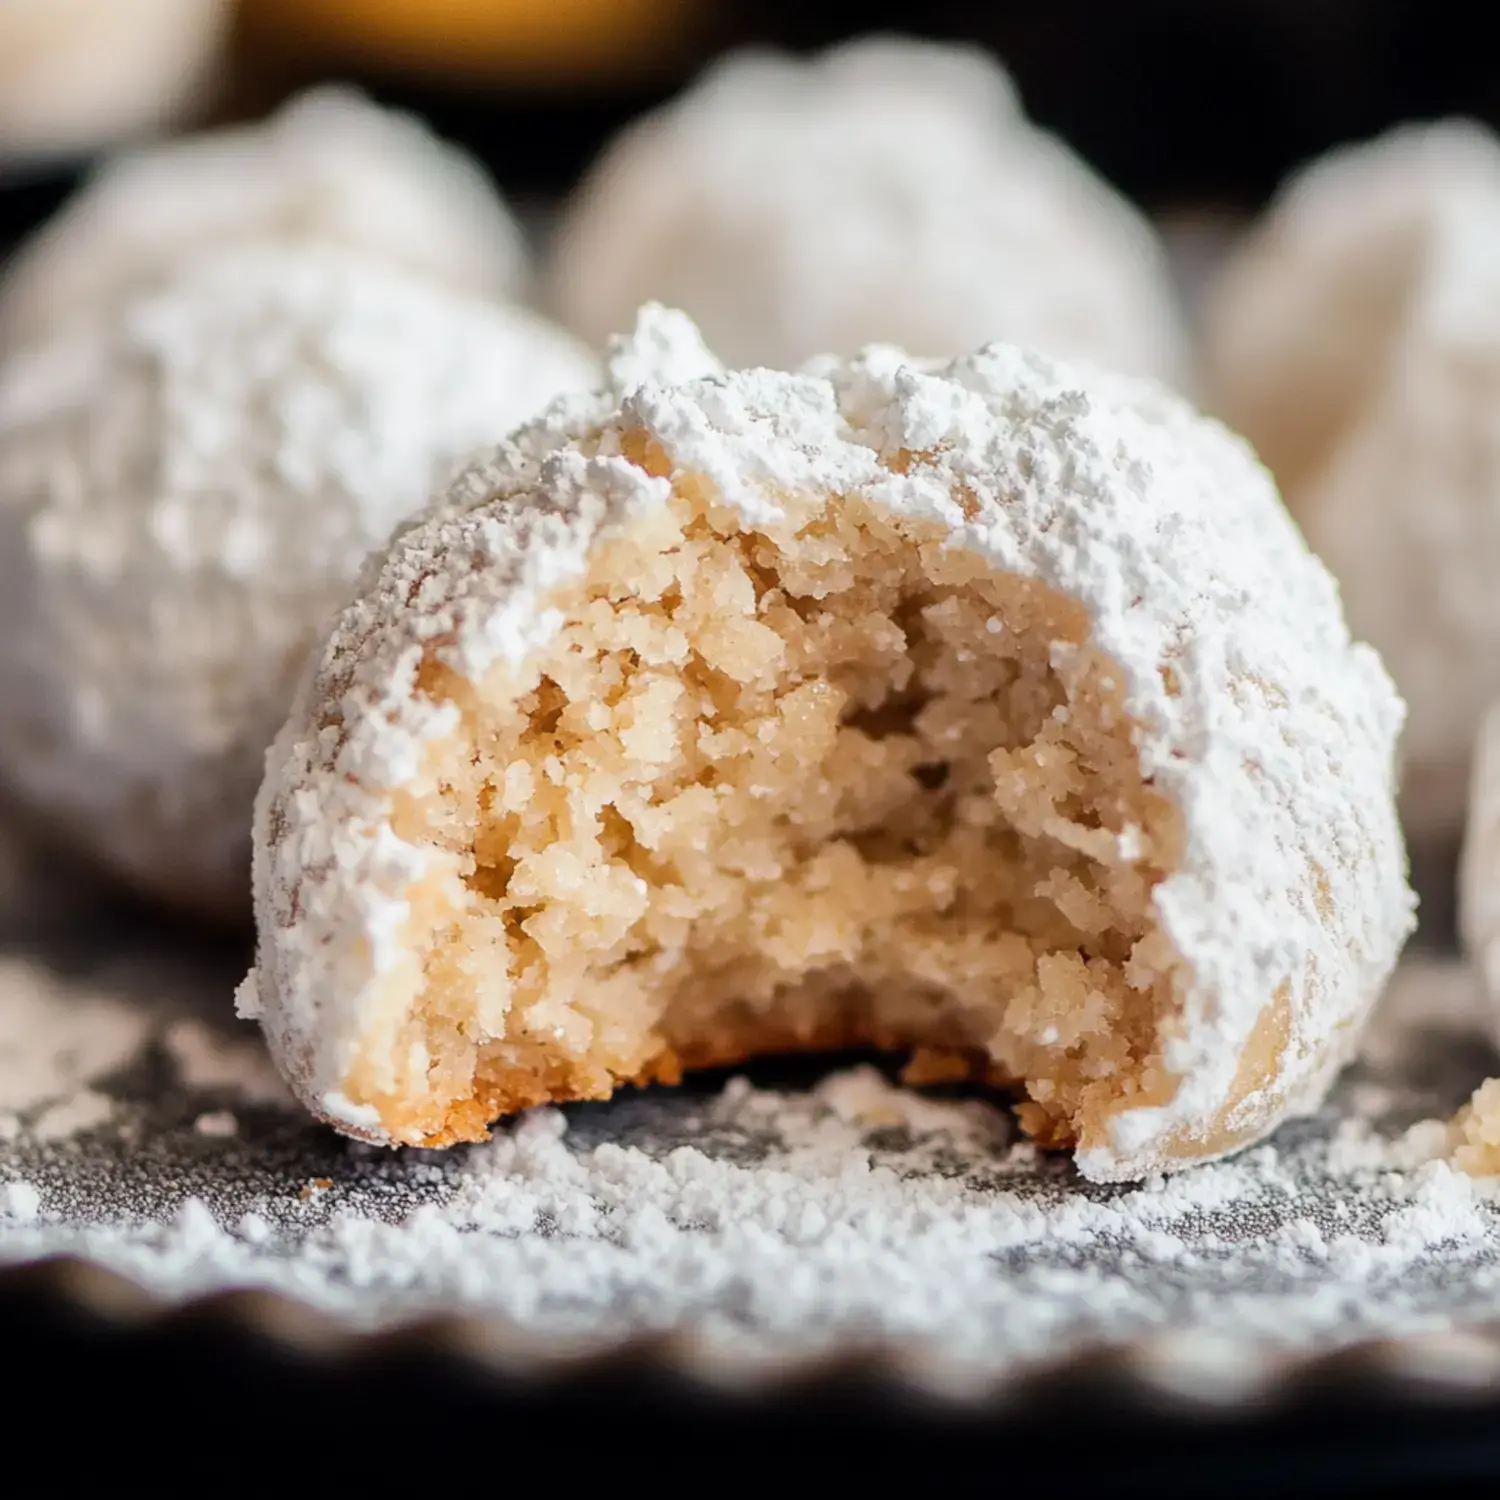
{"points": [[188, 487], [329, 166], [885, 191], [995, 711], [1355, 340]]}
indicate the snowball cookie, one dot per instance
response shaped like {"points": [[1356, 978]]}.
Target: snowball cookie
{"points": [[329, 166], [993, 711], [887, 190], [1479, 871], [75, 74], [187, 491], [1356, 341]]}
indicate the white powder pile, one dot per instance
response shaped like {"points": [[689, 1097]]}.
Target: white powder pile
{"points": [[19, 1202], [782, 1219]]}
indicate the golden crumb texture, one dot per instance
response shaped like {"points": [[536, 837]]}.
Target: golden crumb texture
{"points": [[992, 713]]}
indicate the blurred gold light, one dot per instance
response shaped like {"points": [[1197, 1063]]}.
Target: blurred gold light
{"points": [[536, 40]]}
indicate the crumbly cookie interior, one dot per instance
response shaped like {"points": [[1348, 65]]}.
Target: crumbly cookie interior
{"points": [[1475, 1132], [826, 783]]}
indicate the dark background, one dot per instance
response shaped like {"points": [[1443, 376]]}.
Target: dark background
{"points": [[1178, 101], [1182, 103]]}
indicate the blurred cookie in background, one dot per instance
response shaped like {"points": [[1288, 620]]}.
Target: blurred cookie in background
{"points": [[76, 75], [227, 369], [1354, 338], [329, 165], [189, 484], [888, 191]]}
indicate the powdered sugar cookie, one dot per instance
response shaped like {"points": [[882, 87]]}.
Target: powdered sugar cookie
{"points": [[75, 74], [1356, 341], [1475, 1132], [992, 710], [187, 489], [886, 191], [328, 166], [1479, 873]]}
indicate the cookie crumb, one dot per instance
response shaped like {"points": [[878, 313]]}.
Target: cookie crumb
{"points": [[217, 1123], [20, 1202]]}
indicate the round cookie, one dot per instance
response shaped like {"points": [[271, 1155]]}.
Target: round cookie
{"points": [[887, 191], [994, 711], [1355, 340], [1476, 1129], [187, 490], [1479, 870], [77, 74], [328, 166]]}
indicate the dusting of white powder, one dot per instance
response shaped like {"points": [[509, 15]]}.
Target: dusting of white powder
{"points": [[84, 1110], [209, 1059], [329, 167], [1270, 731], [55, 1042], [19, 1202], [887, 190], [783, 1220], [218, 1124], [62, 1043], [187, 488], [1354, 340]]}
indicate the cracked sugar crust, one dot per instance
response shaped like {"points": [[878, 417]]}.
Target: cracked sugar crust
{"points": [[329, 166], [1355, 341], [187, 491], [885, 191], [995, 711]]}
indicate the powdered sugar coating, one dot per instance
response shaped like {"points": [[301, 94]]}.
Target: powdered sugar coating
{"points": [[1479, 874], [328, 166], [1272, 734], [885, 191], [1356, 341], [186, 491]]}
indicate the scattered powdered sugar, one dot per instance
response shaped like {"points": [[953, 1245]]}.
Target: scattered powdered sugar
{"points": [[56, 1041], [19, 1202], [82, 1111], [219, 1123], [209, 1060], [777, 1216], [66, 1047]]}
